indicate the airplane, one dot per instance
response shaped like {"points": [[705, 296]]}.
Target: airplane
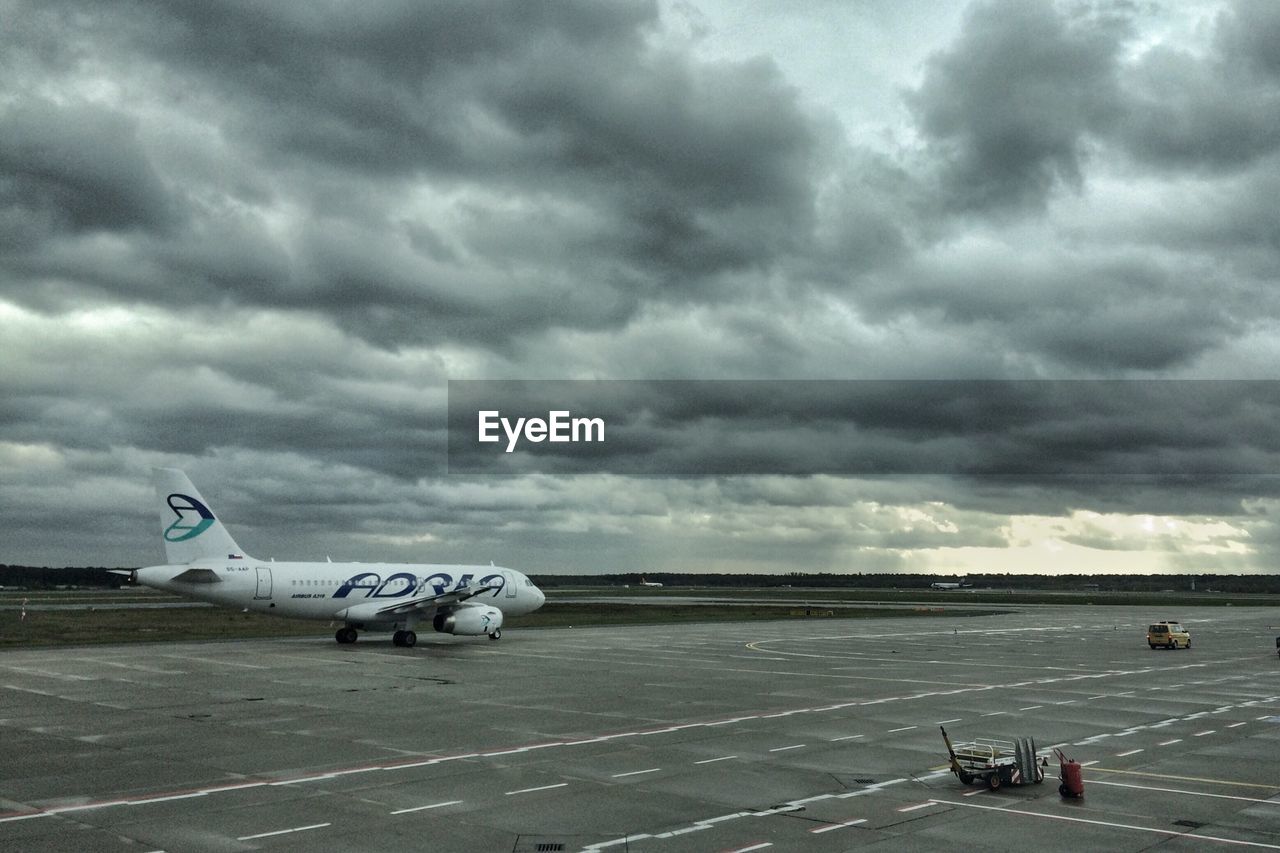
{"points": [[206, 563], [644, 582], [941, 585]]}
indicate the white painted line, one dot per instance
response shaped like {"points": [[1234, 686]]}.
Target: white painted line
{"points": [[752, 847], [424, 808], [541, 788], [918, 806], [283, 831], [903, 729], [637, 772], [1130, 752], [785, 748], [1088, 763], [713, 760], [830, 827], [975, 793], [1271, 802], [1136, 828], [1237, 725], [944, 722], [320, 778], [1030, 707], [1169, 742], [1202, 734], [846, 737], [994, 713]]}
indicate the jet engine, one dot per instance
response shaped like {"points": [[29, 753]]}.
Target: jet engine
{"points": [[469, 620]]}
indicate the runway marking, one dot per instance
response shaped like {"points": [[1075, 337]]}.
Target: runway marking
{"points": [[759, 846], [1030, 707], [1237, 725], [1134, 827], [220, 662], [1130, 752], [918, 806], [540, 788], [1268, 802], [832, 826], [994, 713], [974, 793], [424, 808], [944, 722], [705, 823], [1202, 734], [846, 737], [283, 831], [46, 673], [134, 666], [785, 748], [713, 760], [635, 773], [29, 690], [302, 779], [903, 729], [1170, 742], [1187, 778]]}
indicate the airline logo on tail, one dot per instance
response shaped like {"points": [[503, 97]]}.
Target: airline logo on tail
{"points": [[187, 526]]}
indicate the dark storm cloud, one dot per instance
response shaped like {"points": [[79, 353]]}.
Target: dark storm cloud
{"points": [[1091, 311], [1072, 435], [659, 173], [1216, 111], [1010, 106], [75, 168], [1006, 107], [186, 388]]}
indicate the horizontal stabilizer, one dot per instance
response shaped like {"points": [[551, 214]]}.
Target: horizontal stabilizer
{"points": [[198, 576]]}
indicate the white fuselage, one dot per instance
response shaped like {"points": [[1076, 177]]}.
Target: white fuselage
{"points": [[330, 590]]}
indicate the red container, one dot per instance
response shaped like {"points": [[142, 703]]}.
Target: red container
{"points": [[1072, 779]]}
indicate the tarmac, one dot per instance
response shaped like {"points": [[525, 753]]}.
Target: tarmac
{"points": [[814, 734]]}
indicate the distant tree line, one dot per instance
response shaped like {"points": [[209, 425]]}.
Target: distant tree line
{"points": [[1064, 583], [30, 577]]}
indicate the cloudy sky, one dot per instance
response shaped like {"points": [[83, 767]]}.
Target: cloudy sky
{"points": [[255, 241]]}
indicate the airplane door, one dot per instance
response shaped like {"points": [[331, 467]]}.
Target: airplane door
{"points": [[264, 583], [510, 584]]}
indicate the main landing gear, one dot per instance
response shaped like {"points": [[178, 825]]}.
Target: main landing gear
{"points": [[404, 638], [496, 635], [345, 635]]}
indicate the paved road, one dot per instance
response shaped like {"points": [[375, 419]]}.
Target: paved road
{"points": [[814, 735]]}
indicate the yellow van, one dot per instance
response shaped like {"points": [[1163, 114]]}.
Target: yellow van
{"points": [[1168, 635]]}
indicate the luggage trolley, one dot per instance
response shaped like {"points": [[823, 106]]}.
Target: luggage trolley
{"points": [[996, 762]]}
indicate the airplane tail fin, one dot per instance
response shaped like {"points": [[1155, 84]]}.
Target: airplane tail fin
{"points": [[190, 529]]}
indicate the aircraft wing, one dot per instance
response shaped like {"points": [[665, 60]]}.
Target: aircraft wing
{"points": [[442, 599]]}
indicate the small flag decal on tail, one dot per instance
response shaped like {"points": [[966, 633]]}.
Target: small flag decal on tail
{"points": [[235, 556]]}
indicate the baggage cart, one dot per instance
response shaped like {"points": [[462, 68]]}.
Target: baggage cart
{"points": [[995, 762]]}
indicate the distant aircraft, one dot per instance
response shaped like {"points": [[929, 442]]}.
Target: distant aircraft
{"points": [[949, 585], [644, 582], [206, 563]]}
